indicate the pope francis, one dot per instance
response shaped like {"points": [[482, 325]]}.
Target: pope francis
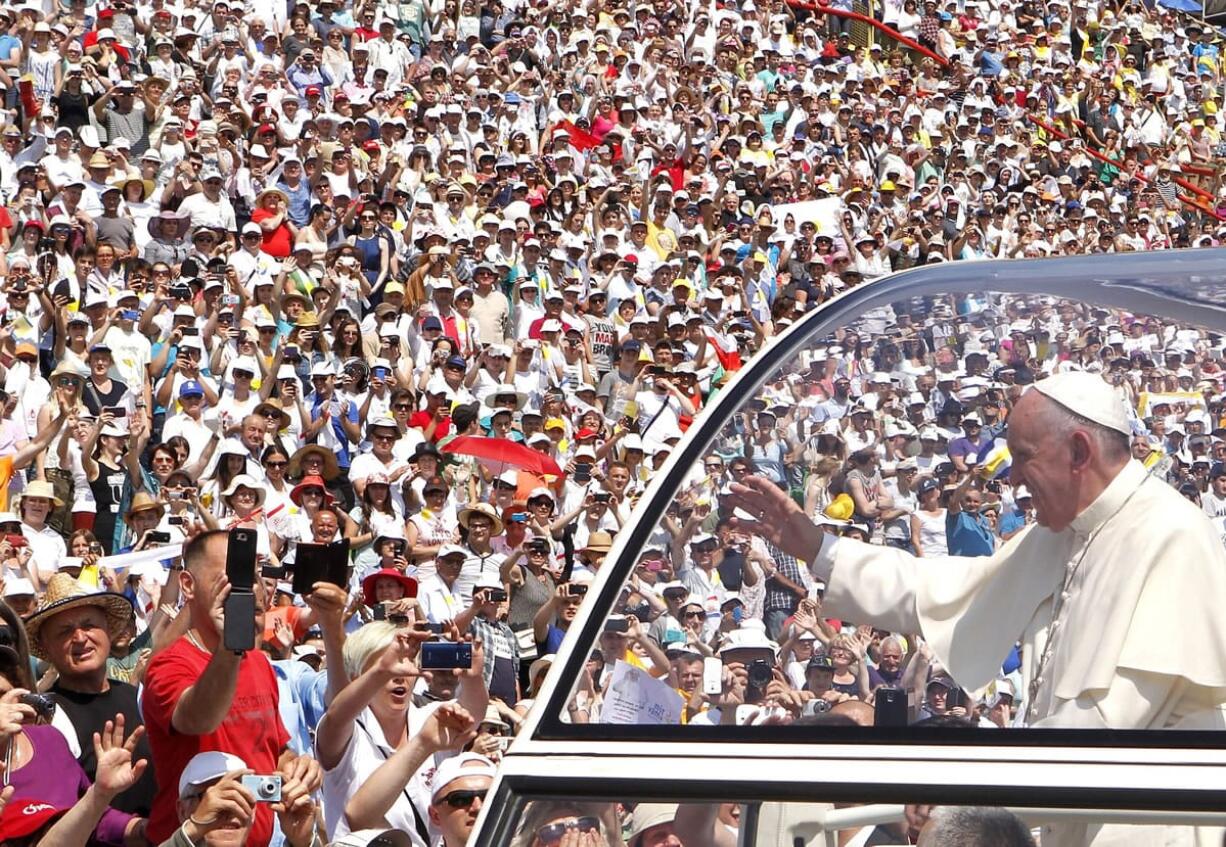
{"points": [[1116, 594]]}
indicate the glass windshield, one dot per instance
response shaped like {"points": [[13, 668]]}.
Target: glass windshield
{"points": [[656, 823], [894, 431]]}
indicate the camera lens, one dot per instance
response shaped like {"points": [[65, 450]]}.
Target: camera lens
{"points": [[759, 673], [268, 788]]}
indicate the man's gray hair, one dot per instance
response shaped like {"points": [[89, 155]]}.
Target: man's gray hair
{"points": [[975, 826]]}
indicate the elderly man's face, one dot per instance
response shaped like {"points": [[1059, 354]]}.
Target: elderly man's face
{"points": [[77, 641], [1054, 469]]}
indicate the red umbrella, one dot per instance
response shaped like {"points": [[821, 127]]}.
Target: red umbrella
{"points": [[505, 452]]}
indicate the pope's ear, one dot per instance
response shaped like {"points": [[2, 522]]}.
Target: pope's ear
{"points": [[1081, 450]]}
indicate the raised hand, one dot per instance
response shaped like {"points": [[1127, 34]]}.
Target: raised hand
{"points": [[449, 727], [116, 771], [775, 516], [400, 657]]}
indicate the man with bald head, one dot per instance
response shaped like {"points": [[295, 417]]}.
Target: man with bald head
{"points": [[1115, 556]]}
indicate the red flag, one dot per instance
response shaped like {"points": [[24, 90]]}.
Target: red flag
{"points": [[583, 140], [726, 350]]}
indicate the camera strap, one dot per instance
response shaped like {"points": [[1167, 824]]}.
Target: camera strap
{"points": [[418, 823]]}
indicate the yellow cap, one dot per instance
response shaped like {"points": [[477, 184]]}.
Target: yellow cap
{"points": [[841, 508], [555, 423]]}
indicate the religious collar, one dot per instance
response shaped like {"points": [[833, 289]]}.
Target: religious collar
{"points": [[1127, 481]]}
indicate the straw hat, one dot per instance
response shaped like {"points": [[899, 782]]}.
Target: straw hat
{"points": [[482, 509], [39, 488], [331, 468], [63, 593], [598, 542], [142, 501], [273, 404]]}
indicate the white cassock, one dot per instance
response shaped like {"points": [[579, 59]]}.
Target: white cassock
{"points": [[1139, 644]]}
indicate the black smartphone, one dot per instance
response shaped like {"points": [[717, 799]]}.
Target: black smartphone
{"points": [[583, 472], [617, 625], [444, 655], [190, 331], [116, 411], [657, 370], [62, 289], [496, 595], [272, 572], [159, 537], [176, 520], [321, 563], [379, 612], [239, 631], [602, 497], [890, 707], [576, 590], [291, 355], [398, 548], [240, 559], [955, 698]]}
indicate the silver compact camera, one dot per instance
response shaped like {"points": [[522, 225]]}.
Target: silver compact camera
{"points": [[266, 788]]}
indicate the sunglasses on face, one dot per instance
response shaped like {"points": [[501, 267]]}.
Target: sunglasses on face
{"points": [[463, 799], [554, 832]]}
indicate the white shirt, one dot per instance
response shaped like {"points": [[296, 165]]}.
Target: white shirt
{"points": [[440, 602]]}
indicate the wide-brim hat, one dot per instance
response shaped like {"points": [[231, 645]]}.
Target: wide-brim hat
{"points": [[331, 468], [598, 542], [311, 481], [482, 509], [368, 584], [259, 198], [39, 488], [182, 224], [275, 405], [63, 593], [245, 481], [142, 501]]}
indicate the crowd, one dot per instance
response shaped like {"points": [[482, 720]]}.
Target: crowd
{"points": [[891, 431], [263, 264]]}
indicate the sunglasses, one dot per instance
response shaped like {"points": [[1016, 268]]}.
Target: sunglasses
{"points": [[275, 464], [462, 799], [554, 832]]}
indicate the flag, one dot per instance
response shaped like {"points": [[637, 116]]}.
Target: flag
{"points": [[726, 349]]}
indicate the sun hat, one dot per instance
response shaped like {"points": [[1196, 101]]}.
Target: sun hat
{"points": [[64, 593]]}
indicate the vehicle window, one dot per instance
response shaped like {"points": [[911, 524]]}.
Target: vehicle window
{"points": [[657, 823], [918, 432]]}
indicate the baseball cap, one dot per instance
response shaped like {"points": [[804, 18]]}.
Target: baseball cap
{"points": [[208, 766]]}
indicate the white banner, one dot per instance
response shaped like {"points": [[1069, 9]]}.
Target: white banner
{"points": [[127, 561], [636, 697], [824, 213]]}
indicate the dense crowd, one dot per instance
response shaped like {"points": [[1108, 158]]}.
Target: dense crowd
{"points": [[432, 289]]}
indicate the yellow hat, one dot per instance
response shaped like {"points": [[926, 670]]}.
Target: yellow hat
{"points": [[555, 423], [888, 185], [841, 508], [759, 257]]}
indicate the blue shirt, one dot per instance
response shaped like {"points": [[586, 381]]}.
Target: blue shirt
{"points": [[303, 700], [343, 457], [1012, 522], [968, 534]]}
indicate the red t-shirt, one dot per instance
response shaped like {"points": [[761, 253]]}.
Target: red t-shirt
{"points": [[421, 419], [278, 243], [252, 730]]}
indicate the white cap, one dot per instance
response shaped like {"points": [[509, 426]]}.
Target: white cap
{"points": [[1087, 395], [18, 587], [458, 767], [206, 767], [487, 580], [374, 838]]}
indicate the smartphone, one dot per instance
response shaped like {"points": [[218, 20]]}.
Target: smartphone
{"points": [[657, 370], [16, 540], [129, 315], [496, 595], [955, 698], [240, 559], [321, 563], [890, 707], [116, 411], [573, 590], [712, 675], [229, 300], [444, 655], [62, 289], [176, 520], [292, 354], [519, 517], [190, 331], [272, 572], [379, 612], [602, 497], [583, 472], [398, 548], [617, 625], [158, 537]]}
